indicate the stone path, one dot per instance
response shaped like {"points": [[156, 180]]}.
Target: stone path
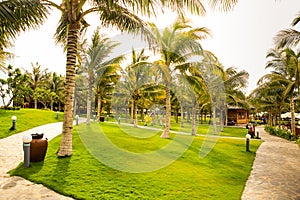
{"points": [[11, 154], [275, 174], [276, 170]]}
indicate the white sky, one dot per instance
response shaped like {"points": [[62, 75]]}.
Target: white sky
{"points": [[241, 37]]}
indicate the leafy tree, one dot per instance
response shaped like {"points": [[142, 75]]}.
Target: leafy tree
{"points": [[56, 85], [14, 87], [115, 13], [286, 71], [176, 45], [288, 37], [37, 78], [95, 60]]}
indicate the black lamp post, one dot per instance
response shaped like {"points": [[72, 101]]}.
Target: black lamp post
{"points": [[248, 136]]}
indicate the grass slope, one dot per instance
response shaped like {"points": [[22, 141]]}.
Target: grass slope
{"points": [[222, 174], [26, 119]]}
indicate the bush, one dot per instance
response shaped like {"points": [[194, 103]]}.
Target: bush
{"points": [[286, 134]]}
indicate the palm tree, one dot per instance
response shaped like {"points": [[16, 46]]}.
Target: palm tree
{"points": [[268, 97], [17, 16], [56, 85], [286, 71], [176, 45], [115, 13], [288, 37], [37, 79], [95, 62], [105, 85], [234, 82]]}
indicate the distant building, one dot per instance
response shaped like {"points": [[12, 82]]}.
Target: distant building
{"points": [[237, 115]]}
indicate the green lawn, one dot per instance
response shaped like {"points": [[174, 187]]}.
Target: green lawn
{"points": [[221, 174], [26, 119], [201, 129]]}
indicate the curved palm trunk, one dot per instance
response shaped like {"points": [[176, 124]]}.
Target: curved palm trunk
{"points": [[293, 121], [166, 133], [72, 41]]}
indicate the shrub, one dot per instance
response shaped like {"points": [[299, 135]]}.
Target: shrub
{"points": [[286, 134]]}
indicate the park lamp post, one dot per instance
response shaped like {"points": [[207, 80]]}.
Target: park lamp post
{"points": [[248, 136], [14, 120], [26, 148]]}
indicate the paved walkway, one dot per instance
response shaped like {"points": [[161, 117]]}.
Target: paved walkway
{"points": [[276, 170], [275, 174], [11, 154]]}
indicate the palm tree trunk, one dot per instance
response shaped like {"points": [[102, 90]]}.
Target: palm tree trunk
{"points": [[35, 104], [99, 106], [72, 41], [293, 121], [166, 133], [194, 118], [74, 107], [221, 120], [182, 118], [51, 105], [132, 111], [126, 115], [142, 114], [89, 102], [214, 117], [135, 120], [226, 116]]}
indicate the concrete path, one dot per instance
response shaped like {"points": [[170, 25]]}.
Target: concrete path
{"points": [[276, 170], [11, 154]]}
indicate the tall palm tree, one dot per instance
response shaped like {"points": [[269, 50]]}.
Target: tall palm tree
{"points": [[94, 63], [176, 45], [286, 71], [105, 85], [56, 85], [118, 13], [37, 79], [268, 97], [234, 82]]}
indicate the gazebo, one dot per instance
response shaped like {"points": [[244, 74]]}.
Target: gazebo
{"points": [[237, 114]]}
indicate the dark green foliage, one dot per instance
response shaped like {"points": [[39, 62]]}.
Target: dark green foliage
{"points": [[286, 134]]}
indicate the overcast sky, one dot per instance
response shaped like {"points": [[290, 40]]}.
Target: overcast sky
{"points": [[240, 38]]}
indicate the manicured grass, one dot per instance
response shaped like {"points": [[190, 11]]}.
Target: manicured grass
{"points": [[221, 174], [202, 129], [26, 119]]}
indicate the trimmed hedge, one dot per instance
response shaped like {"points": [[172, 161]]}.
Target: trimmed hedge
{"points": [[286, 134]]}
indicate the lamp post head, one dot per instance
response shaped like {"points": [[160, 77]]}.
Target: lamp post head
{"points": [[248, 136], [13, 118], [27, 138]]}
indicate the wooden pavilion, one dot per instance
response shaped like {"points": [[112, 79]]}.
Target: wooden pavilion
{"points": [[237, 115]]}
